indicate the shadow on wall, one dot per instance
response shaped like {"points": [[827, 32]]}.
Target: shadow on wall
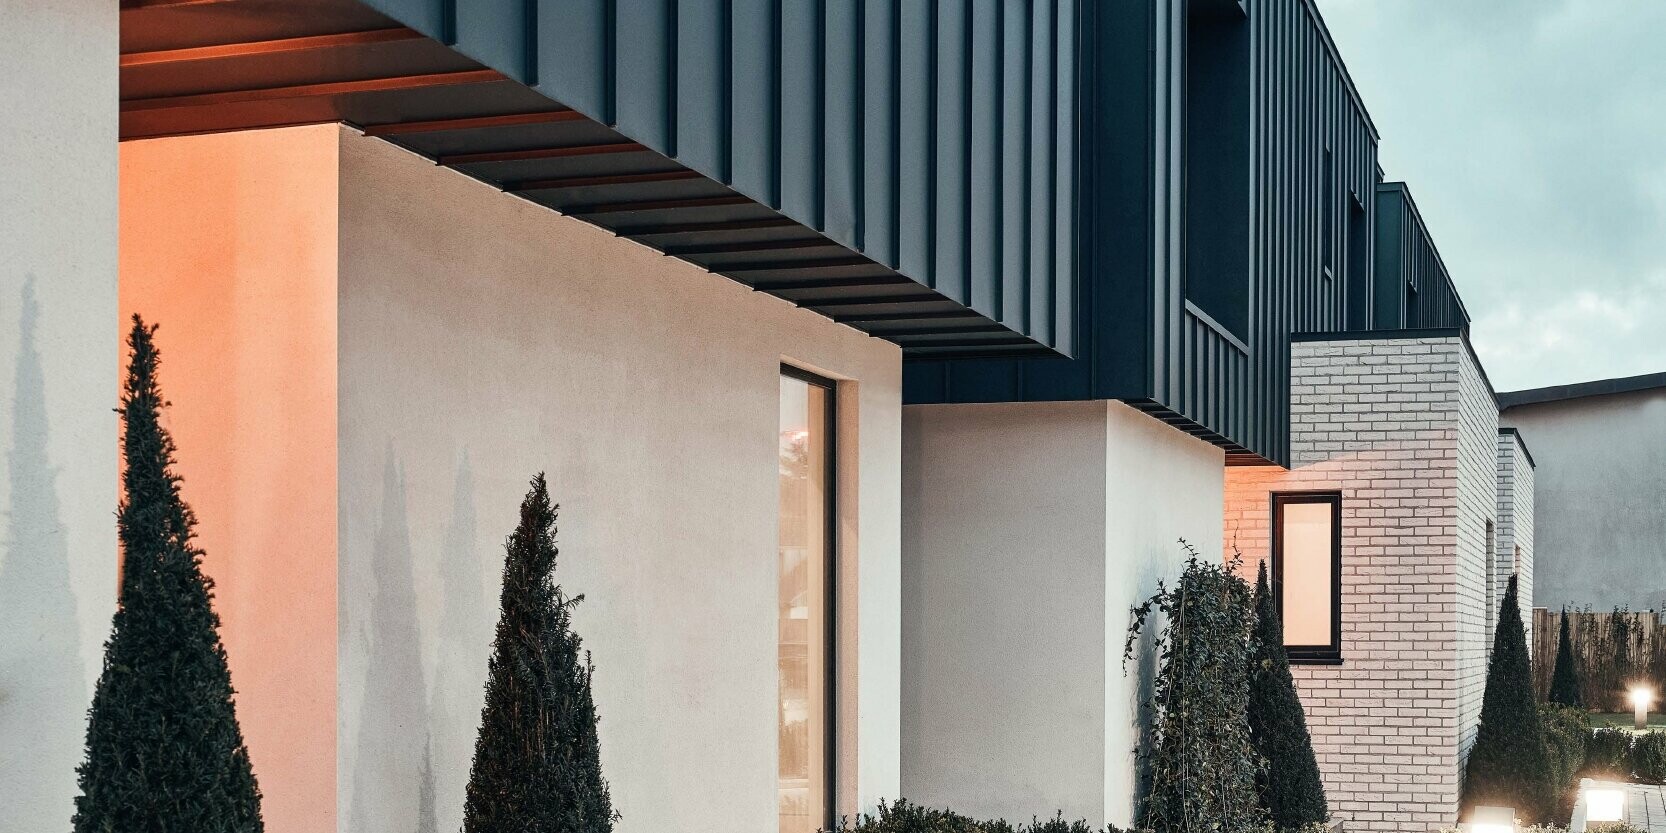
{"points": [[43, 693], [393, 768], [465, 638]]}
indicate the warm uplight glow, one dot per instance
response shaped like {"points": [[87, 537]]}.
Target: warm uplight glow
{"points": [[1642, 698], [1605, 805], [1493, 820]]}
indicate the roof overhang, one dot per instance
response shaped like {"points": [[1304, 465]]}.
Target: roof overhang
{"points": [[197, 66]]}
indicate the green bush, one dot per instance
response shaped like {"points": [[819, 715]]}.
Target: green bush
{"points": [[1290, 786], [1507, 766], [902, 817], [1565, 733], [1648, 757], [1202, 768], [1608, 754]]}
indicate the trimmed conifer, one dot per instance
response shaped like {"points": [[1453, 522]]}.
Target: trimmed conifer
{"points": [[1509, 765], [164, 751], [537, 762], [1564, 681], [1290, 787]]}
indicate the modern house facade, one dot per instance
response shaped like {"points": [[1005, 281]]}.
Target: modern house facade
{"points": [[879, 355], [1601, 452]]}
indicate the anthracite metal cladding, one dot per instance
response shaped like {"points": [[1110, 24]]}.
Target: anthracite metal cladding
{"points": [[1413, 288], [935, 139], [1191, 289]]}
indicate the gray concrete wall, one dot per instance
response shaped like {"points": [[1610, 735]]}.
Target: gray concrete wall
{"points": [[483, 339], [1029, 532], [1599, 499], [58, 384]]}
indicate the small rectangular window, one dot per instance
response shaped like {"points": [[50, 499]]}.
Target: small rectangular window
{"points": [[804, 630], [1307, 574]]}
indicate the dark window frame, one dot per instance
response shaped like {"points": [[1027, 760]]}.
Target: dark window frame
{"points": [[831, 621], [1310, 654]]}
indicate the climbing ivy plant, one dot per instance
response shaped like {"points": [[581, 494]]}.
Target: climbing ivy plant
{"points": [[1200, 765]]}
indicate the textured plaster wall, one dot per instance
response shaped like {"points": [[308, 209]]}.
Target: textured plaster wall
{"points": [[229, 246], [483, 339], [1029, 532], [1400, 427], [1600, 529], [57, 388]]}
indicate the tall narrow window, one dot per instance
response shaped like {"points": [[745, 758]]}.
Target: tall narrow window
{"points": [[1307, 574], [804, 629]]}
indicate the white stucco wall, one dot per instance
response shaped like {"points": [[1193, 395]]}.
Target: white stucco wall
{"points": [[58, 348], [1029, 532], [483, 339]]}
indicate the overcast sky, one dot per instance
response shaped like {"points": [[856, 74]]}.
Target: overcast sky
{"points": [[1533, 136]]}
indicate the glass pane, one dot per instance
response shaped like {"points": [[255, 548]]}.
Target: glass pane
{"points": [[1307, 573], [804, 611]]}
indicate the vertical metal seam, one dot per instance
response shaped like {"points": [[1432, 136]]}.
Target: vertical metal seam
{"points": [[1053, 168], [673, 78], [999, 232], [726, 92], [895, 172], [966, 71], [529, 41], [610, 62], [859, 179], [818, 182], [1027, 212], [931, 146], [448, 22], [777, 153]]}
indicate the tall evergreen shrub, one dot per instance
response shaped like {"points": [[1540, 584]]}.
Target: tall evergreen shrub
{"points": [[537, 762], [1564, 681], [164, 751], [1290, 787], [1201, 765], [1509, 766]]}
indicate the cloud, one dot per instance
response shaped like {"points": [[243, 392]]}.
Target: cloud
{"points": [[1533, 136]]}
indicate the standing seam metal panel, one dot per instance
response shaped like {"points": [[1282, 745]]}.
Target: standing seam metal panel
{"points": [[901, 130]]}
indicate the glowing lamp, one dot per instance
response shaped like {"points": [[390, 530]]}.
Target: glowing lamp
{"points": [[1493, 820], [1605, 805], [1641, 699]]}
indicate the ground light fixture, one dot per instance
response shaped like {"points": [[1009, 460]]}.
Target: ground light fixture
{"points": [[1604, 805], [1642, 698], [1492, 820]]}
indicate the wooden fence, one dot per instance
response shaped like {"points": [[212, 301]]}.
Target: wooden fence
{"points": [[1613, 652]]}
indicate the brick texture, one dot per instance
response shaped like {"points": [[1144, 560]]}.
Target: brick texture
{"points": [[1406, 430], [1515, 521]]}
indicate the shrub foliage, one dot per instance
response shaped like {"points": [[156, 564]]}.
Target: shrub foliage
{"points": [[1648, 757], [1200, 763], [537, 763], [902, 817], [1290, 786], [164, 751], [1608, 754], [1565, 732], [1564, 682], [1508, 765]]}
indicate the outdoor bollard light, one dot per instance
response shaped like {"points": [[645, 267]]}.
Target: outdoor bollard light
{"points": [[1493, 820], [1641, 699]]}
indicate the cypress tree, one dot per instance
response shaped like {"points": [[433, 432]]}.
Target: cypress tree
{"points": [[1509, 765], [1290, 787], [1564, 681], [537, 763], [164, 751]]}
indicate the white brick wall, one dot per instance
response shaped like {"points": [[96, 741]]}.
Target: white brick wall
{"points": [[1405, 430], [1515, 521]]}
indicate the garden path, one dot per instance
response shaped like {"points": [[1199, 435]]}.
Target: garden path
{"points": [[1645, 804]]}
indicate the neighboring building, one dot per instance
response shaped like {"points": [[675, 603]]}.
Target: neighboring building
{"points": [[1601, 526], [879, 356]]}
